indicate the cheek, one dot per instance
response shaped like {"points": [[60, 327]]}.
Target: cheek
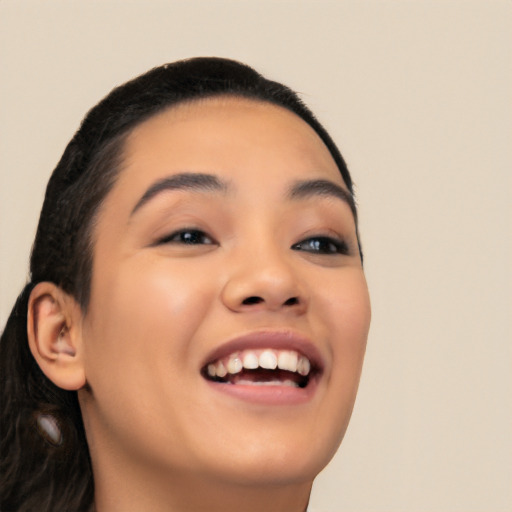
{"points": [[344, 307], [347, 306], [141, 294], [138, 344], [145, 313]]}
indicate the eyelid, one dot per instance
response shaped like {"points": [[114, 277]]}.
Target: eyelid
{"points": [[342, 247], [167, 239]]}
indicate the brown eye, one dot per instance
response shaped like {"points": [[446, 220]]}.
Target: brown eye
{"points": [[187, 237]]}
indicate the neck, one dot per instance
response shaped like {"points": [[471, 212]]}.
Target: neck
{"points": [[175, 494]]}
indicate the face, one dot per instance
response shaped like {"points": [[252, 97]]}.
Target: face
{"points": [[229, 311]]}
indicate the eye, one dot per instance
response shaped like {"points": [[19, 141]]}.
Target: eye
{"points": [[189, 236], [322, 245]]}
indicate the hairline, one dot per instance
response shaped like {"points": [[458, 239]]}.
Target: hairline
{"points": [[116, 150]]}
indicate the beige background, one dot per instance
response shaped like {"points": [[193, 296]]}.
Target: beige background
{"points": [[417, 95]]}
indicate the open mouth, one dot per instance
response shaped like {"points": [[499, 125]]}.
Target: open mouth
{"points": [[262, 367]]}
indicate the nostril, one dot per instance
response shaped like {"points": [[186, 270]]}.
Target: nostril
{"points": [[252, 300]]}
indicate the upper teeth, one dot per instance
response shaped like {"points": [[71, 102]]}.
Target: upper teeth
{"points": [[267, 359]]}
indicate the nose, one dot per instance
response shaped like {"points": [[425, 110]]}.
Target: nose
{"points": [[264, 282]]}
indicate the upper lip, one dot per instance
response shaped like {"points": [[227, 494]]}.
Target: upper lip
{"points": [[269, 339]]}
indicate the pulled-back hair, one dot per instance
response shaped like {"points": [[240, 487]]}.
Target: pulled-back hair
{"points": [[45, 463]]}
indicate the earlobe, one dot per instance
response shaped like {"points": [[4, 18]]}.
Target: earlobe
{"points": [[54, 335]]}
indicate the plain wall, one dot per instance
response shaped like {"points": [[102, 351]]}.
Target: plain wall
{"points": [[417, 95]]}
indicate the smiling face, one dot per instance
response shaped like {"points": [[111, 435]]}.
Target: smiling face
{"points": [[227, 245]]}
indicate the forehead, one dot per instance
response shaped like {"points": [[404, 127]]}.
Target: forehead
{"points": [[257, 148], [225, 134], [225, 113]]}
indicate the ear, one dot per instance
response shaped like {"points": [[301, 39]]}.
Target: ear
{"points": [[55, 335]]}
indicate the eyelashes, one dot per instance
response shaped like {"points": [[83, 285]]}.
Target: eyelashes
{"points": [[320, 245], [187, 236]]}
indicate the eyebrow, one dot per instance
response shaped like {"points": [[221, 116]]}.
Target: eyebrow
{"points": [[203, 182], [306, 189], [200, 182]]}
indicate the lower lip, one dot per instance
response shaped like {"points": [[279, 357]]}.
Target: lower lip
{"points": [[267, 395]]}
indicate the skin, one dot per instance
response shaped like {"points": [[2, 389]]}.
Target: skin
{"points": [[160, 438]]}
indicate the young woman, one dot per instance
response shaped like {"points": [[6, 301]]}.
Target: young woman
{"points": [[192, 335]]}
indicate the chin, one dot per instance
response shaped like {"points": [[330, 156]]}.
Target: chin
{"points": [[274, 463]]}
